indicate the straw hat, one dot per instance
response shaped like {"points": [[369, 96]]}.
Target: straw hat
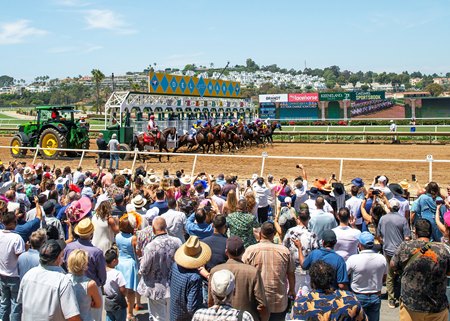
{"points": [[327, 188], [404, 184], [88, 181], [125, 171], [28, 171], [138, 201], [186, 180], [193, 254], [84, 228]]}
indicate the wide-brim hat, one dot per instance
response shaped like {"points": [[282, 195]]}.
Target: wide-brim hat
{"points": [[84, 228], [28, 171], [314, 191], [79, 209], [125, 171], [396, 189], [186, 180], [358, 182], [138, 201], [327, 188], [404, 184], [88, 182], [193, 254]]}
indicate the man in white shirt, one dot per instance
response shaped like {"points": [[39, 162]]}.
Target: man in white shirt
{"points": [[113, 146], [175, 220], [347, 237], [354, 206], [314, 193], [367, 271], [380, 184], [321, 220], [263, 194], [18, 177]]}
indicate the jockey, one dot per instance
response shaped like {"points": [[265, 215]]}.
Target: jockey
{"points": [[241, 121], [152, 126], [194, 128], [258, 122], [207, 124]]}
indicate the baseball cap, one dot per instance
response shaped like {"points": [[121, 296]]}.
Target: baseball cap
{"points": [[382, 178], [50, 250], [222, 283], [235, 246], [366, 238], [118, 198], [288, 199], [329, 236], [394, 202]]}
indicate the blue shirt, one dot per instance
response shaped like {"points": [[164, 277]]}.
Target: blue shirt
{"points": [[332, 258], [218, 244], [201, 230], [185, 293], [162, 206], [24, 229], [27, 261]]}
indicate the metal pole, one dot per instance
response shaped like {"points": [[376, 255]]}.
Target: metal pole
{"points": [[193, 165], [81, 159], [134, 160], [262, 166], [341, 168], [35, 154]]}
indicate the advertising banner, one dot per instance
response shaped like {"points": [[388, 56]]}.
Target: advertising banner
{"points": [[368, 95], [334, 96], [306, 97], [276, 98], [304, 104], [166, 84]]}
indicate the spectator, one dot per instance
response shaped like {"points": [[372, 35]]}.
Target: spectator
{"points": [[155, 268], [119, 209], [346, 235], [217, 242], [325, 300], [12, 246], [222, 288], [320, 220], [328, 255], [102, 145], [217, 197], [113, 146], [175, 220], [380, 183], [105, 226], [367, 271], [354, 206], [231, 203], [230, 185], [392, 229], [277, 270], [263, 194], [115, 291], [50, 219], [309, 243], [314, 193], [139, 203], [423, 266], [249, 294], [398, 193], [86, 291], [242, 224], [196, 224], [30, 258], [58, 301], [185, 280], [160, 203]]}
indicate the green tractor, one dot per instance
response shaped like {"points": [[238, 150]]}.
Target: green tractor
{"points": [[55, 127]]}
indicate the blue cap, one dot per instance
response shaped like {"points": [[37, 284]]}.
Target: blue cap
{"points": [[358, 182], [366, 239]]}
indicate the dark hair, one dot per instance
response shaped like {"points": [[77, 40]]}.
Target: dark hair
{"points": [[176, 182], [200, 215], [49, 184], [120, 181], [423, 228], [323, 276], [219, 221], [199, 188], [8, 218], [304, 215], [268, 229], [320, 202], [159, 194], [241, 205], [344, 215], [110, 255], [433, 189], [377, 212], [171, 203], [52, 232], [184, 189], [354, 190], [217, 189]]}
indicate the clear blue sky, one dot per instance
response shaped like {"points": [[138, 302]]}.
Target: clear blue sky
{"points": [[62, 38]]}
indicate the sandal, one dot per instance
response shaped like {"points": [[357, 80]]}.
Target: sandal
{"points": [[131, 317]]}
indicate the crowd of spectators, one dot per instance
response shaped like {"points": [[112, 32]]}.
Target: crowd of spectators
{"points": [[78, 245], [369, 107]]}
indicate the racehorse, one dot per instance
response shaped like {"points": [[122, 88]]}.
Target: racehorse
{"points": [[141, 140], [268, 132]]}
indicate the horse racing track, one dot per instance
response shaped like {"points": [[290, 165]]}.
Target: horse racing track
{"points": [[245, 167]]}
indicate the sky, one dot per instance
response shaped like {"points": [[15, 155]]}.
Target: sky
{"points": [[61, 38]]}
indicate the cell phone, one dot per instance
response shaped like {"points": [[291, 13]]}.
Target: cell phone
{"points": [[248, 183], [333, 176], [439, 202], [413, 177], [376, 192], [201, 174]]}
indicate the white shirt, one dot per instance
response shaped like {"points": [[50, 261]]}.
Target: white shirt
{"points": [[12, 246], [354, 206], [219, 201], [151, 124], [347, 241], [313, 209], [404, 204], [366, 271], [393, 127], [262, 195], [114, 281], [18, 178], [175, 221], [301, 195]]}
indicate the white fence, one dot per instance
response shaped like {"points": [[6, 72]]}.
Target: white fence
{"points": [[429, 159]]}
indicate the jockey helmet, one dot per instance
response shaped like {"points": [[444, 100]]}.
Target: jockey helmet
{"points": [[152, 117]]}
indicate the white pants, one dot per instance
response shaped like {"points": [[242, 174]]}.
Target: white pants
{"points": [[159, 309]]}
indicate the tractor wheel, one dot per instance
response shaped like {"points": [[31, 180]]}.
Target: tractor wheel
{"points": [[51, 138], [125, 147], [16, 142]]}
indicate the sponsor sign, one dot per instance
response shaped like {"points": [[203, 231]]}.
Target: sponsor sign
{"points": [[306, 97], [166, 84], [304, 104], [334, 96], [276, 98], [368, 95]]}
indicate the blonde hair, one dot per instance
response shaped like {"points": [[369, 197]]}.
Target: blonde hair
{"points": [[231, 201], [78, 262]]}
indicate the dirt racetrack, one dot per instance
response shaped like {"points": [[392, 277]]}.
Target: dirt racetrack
{"points": [[245, 167]]}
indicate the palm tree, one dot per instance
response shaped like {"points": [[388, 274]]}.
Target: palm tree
{"points": [[98, 77]]}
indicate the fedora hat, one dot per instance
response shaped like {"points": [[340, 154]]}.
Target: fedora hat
{"points": [[186, 180], [404, 184], [327, 188], [28, 171], [193, 254], [79, 209], [396, 189], [314, 192], [138, 201], [358, 182], [84, 228]]}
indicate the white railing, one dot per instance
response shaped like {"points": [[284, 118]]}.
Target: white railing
{"points": [[429, 158]]}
